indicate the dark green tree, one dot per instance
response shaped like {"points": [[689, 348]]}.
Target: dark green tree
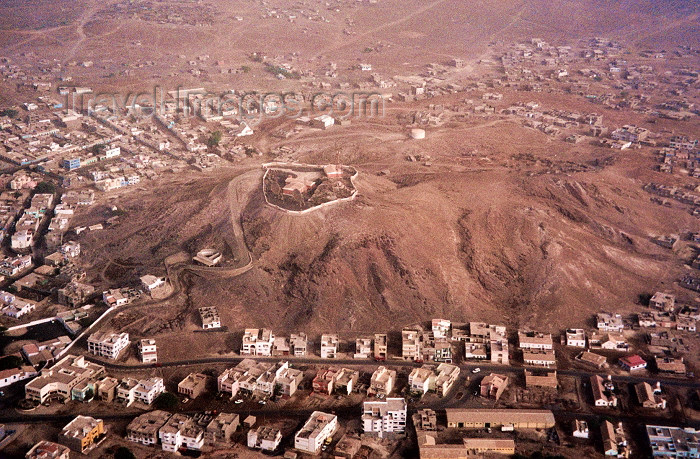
{"points": [[214, 139], [124, 453], [45, 187], [166, 401]]}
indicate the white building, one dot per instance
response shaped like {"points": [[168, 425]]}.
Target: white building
{"points": [[610, 322], [107, 345], [150, 282], [384, 417], [421, 380], [441, 328], [148, 390], [265, 438], [257, 341], [316, 430], [148, 350], [329, 346], [181, 431], [576, 337], [363, 348], [210, 317]]}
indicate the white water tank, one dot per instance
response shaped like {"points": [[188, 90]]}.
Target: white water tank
{"points": [[417, 133]]}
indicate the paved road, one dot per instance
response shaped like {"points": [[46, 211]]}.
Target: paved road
{"points": [[466, 367]]}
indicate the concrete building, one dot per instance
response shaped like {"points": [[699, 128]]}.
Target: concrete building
{"points": [[210, 317], [82, 433], [220, 429], [382, 382], [580, 429], [150, 282], [107, 345], [674, 442], [265, 438], [493, 386], [59, 380], [421, 380], [257, 341], [447, 375], [384, 417], [299, 344], [363, 348], [442, 328], [663, 301], [609, 322], [180, 431], [148, 351], [329, 346], [411, 341], [381, 347], [144, 428], [193, 385], [315, 431]]}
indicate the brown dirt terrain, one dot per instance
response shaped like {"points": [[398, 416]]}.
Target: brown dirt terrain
{"points": [[502, 240]]}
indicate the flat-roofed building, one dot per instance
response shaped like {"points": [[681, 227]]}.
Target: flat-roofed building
{"points": [[609, 322], [210, 317], [299, 344], [61, 378], [363, 348], [315, 431], [329, 346], [193, 385], [576, 337], [447, 375], [663, 301], [382, 382], [411, 343], [106, 389], [516, 419], [144, 428], [257, 341], [220, 429], [325, 379], [673, 442], [266, 438], [421, 380], [148, 350], [107, 345], [493, 386], [381, 347], [384, 417], [181, 431], [441, 328], [82, 433]]}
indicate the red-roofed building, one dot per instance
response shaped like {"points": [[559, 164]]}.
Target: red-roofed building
{"points": [[633, 363]]}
